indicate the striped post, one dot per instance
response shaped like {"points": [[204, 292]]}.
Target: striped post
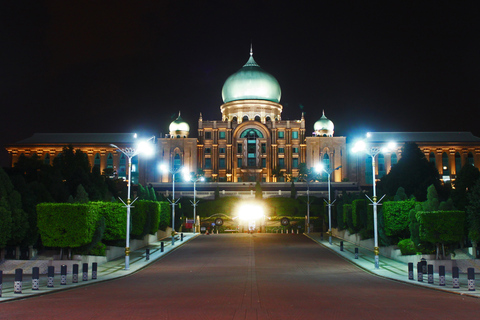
{"points": [[35, 278], [63, 275], [51, 274], [75, 273], [455, 280], [441, 275], [94, 270], [471, 279], [419, 272], [17, 285], [410, 271], [430, 273], [147, 254], [85, 272], [356, 253]]}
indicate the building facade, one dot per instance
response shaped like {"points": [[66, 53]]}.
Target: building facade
{"points": [[252, 143]]}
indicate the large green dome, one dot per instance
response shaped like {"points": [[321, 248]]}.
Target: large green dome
{"points": [[251, 82]]}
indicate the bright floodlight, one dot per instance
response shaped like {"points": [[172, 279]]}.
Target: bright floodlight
{"points": [[359, 146], [163, 167], [144, 147], [250, 212], [319, 167]]}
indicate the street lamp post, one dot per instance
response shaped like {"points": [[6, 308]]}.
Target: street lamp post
{"points": [[329, 203], [194, 202], [373, 151], [142, 147], [173, 202]]}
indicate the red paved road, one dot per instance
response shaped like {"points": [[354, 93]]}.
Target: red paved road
{"points": [[261, 276]]}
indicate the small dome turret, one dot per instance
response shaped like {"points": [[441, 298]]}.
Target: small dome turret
{"points": [[323, 127], [179, 128]]}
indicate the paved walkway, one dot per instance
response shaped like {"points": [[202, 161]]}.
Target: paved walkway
{"points": [[107, 271], [392, 269], [389, 268]]}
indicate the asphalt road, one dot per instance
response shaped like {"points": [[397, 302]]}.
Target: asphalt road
{"points": [[242, 276]]}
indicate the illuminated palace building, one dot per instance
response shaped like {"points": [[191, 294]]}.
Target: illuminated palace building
{"points": [[252, 143]]}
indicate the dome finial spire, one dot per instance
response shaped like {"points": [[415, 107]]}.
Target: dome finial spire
{"points": [[251, 49]]}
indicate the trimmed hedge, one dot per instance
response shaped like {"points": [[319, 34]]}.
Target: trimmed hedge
{"points": [[396, 217], [441, 226], [115, 215], [66, 225], [145, 218]]}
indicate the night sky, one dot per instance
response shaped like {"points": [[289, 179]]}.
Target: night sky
{"points": [[118, 66]]}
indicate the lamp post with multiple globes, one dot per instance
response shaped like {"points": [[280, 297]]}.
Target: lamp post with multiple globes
{"points": [[145, 147], [373, 151]]}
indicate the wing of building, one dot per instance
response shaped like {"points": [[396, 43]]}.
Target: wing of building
{"points": [[252, 143]]}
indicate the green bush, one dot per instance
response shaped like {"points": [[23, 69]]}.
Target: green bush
{"points": [[115, 215], [407, 247], [165, 214], [66, 225], [396, 217], [145, 218], [98, 250]]}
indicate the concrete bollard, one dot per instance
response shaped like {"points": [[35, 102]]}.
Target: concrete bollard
{"points": [[420, 272], [410, 271], [75, 273], [356, 253], [424, 266], [441, 276], [85, 272], [455, 280], [341, 245], [162, 246], [63, 275], [35, 278], [181, 236], [430, 273], [50, 275], [471, 279], [94, 270], [1, 282], [17, 285], [147, 254]]}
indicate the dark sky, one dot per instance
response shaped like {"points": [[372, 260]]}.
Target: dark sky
{"points": [[118, 66]]}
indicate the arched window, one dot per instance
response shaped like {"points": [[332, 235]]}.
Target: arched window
{"points": [[96, 160], [445, 166], [393, 159], [122, 168], [245, 118], [432, 158], [257, 118], [234, 119], [110, 160], [470, 159], [268, 119], [458, 163], [326, 164], [381, 165], [251, 134], [177, 162], [368, 170]]}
